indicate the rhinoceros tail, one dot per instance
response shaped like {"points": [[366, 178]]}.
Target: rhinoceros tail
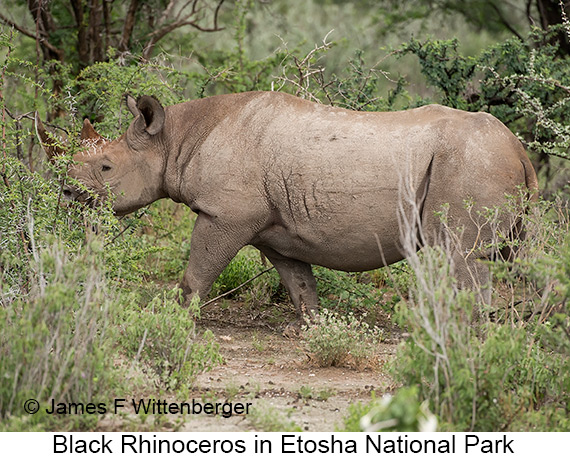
{"points": [[518, 231], [531, 180]]}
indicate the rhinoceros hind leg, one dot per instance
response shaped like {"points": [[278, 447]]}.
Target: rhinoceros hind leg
{"points": [[299, 281], [474, 274]]}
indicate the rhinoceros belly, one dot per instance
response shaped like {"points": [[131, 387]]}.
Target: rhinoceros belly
{"points": [[348, 231]]}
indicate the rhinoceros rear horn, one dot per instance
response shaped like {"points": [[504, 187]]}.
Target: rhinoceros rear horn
{"points": [[49, 144], [88, 132], [150, 113]]}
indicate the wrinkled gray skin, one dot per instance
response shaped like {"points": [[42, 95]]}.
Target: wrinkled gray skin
{"points": [[307, 183]]}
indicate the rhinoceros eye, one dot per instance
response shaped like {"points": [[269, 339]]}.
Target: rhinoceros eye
{"points": [[105, 168]]}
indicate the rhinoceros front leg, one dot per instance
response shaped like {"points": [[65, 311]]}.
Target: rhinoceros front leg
{"points": [[212, 247], [300, 283]]}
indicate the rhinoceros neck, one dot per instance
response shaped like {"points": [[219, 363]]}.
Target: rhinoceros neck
{"points": [[188, 125]]}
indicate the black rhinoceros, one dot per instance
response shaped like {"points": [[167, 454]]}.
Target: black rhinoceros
{"points": [[307, 183]]}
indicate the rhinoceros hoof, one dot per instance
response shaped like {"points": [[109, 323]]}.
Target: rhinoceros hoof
{"points": [[293, 330]]}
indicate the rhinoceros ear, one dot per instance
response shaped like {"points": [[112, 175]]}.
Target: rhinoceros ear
{"points": [[152, 116], [132, 105], [88, 132], [48, 144]]}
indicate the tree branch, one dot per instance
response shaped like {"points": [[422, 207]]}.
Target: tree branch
{"points": [[506, 23], [528, 13], [217, 13], [128, 26], [43, 41], [82, 48], [20, 29], [209, 302], [107, 24], [96, 50], [192, 12], [166, 12], [155, 36]]}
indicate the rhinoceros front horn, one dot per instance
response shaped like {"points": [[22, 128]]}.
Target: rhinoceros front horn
{"points": [[49, 144], [149, 113]]}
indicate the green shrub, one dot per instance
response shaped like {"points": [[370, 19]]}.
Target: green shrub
{"points": [[162, 335], [523, 82], [66, 269], [347, 292], [402, 412], [396, 277], [486, 371], [484, 385], [168, 227], [268, 418], [333, 340], [244, 266], [56, 340]]}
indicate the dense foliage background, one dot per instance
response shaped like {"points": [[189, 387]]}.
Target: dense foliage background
{"points": [[84, 295]]}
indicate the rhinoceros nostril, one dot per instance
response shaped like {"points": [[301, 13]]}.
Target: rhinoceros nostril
{"points": [[69, 194]]}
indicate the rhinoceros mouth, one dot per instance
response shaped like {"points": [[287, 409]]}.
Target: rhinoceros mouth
{"points": [[85, 197]]}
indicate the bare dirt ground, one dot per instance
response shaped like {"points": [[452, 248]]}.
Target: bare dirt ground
{"points": [[277, 377], [286, 391]]}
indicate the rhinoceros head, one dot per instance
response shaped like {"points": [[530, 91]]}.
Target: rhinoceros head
{"points": [[130, 167]]}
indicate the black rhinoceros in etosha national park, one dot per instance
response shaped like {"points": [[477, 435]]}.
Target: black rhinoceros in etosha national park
{"points": [[307, 183]]}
